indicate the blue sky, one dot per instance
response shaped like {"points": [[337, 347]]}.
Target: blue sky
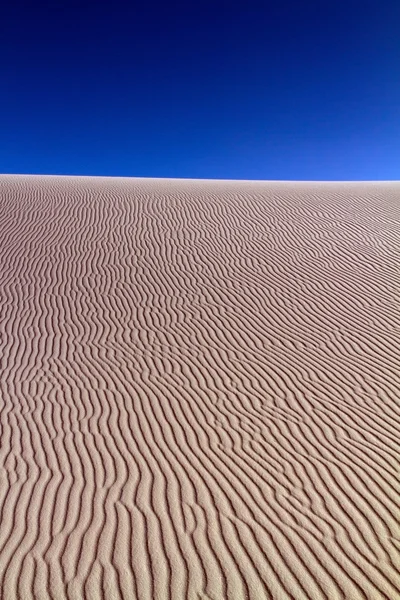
{"points": [[226, 90]]}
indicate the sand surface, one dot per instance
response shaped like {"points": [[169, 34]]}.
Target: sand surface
{"points": [[200, 386]]}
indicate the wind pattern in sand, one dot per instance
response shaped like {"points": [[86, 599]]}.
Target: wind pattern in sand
{"points": [[200, 387]]}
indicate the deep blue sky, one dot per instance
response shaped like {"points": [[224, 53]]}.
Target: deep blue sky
{"points": [[306, 89]]}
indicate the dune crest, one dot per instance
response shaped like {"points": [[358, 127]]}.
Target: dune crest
{"points": [[200, 387]]}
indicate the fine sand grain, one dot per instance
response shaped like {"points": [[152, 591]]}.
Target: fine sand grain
{"points": [[200, 387]]}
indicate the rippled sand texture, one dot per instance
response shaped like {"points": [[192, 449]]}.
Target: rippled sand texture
{"points": [[200, 389]]}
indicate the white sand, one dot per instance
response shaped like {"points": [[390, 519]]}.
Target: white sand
{"points": [[200, 388]]}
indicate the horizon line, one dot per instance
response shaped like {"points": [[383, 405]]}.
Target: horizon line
{"points": [[206, 179]]}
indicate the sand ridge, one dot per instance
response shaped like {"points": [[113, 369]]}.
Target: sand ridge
{"points": [[200, 389]]}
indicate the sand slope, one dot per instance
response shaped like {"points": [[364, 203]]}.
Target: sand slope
{"points": [[200, 388]]}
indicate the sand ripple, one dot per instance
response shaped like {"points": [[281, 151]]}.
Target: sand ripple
{"points": [[200, 388]]}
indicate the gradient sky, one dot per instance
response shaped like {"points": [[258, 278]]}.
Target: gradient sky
{"points": [[207, 89]]}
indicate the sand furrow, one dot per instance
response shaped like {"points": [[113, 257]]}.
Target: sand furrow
{"points": [[199, 389]]}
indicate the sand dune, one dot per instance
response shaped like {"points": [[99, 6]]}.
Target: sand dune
{"points": [[200, 386]]}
